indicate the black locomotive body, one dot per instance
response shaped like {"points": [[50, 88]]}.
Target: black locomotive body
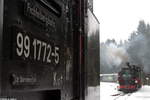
{"points": [[130, 78], [43, 46]]}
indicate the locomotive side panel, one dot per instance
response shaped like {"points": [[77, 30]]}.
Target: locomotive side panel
{"points": [[1, 34], [43, 49], [33, 48]]}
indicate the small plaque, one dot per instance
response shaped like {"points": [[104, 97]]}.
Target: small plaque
{"points": [[19, 79]]}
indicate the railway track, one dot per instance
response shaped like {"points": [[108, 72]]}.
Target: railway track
{"points": [[123, 96]]}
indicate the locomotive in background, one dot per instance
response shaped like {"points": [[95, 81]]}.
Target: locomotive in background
{"points": [[49, 49], [130, 78]]}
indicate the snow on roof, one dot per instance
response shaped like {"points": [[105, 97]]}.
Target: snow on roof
{"points": [[113, 74]]}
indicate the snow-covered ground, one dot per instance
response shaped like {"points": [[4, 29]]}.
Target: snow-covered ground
{"points": [[108, 91], [93, 93]]}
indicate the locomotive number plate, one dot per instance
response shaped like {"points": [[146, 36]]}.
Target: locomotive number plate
{"points": [[29, 47]]}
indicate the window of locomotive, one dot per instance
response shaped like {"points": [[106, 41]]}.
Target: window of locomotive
{"points": [[52, 6], [126, 74]]}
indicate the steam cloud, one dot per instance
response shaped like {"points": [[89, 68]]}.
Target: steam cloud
{"points": [[112, 56], [135, 51], [116, 54]]}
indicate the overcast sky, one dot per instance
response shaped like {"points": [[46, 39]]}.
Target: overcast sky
{"points": [[119, 18]]}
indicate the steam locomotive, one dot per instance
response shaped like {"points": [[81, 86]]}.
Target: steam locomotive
{"points": [[44, 49], [130, 78]]}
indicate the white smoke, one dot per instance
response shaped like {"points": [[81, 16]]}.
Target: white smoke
{"points": [[112, 55], [116, 55], [136, 50]]}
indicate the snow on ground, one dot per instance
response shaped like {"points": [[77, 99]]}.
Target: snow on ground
{"points": [[93, 93], [108, 91], [142, 94]]}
